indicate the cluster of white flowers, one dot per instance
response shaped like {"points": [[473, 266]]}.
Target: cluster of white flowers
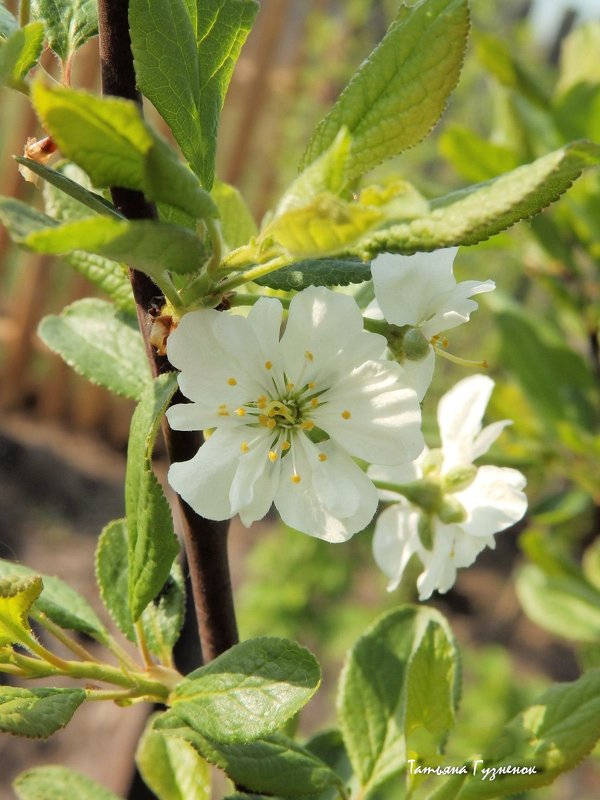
{"points": [[316, 419]]}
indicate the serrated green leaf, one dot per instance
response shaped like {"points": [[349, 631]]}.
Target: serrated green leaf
{"points": [[108, 138], [478, 212], [400, 91], [162, 619], [17, 595], [8, 22], [317, 272], [59, 602], [148, 245], [373, 692], [172, 768], [473, 157], [19, 53], [37, 713], [566, 606], [58, 783], [275, 765], [100, 343], [153, 545], [203, 37], [248, 692], [69, 23], [237, 222], [550, 737]]}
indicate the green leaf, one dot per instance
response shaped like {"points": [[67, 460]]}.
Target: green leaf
{"points": [[380, 676], [566, 606], [153, 545], [473, 157], [100, 343], [578, 57], [497, 57], [237, 221], [161, 620], [37, 713], [478, 212], [172, 768], [317, 272], [329, 747], [551, 736], [184, 52], [17, 595], [8, 22], [73, 188], [108, 138], [19, 53], [556, 379], [248, 692], [58, 783], [400, 91], [275, 765], [20, 220], [69, 23], [59, 602]]}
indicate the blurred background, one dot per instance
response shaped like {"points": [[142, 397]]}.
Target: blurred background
{"points": [[527, 613]]}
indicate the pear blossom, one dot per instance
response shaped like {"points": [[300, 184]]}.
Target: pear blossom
{"points": [[420, 291], [287, 414], [449, 510]]}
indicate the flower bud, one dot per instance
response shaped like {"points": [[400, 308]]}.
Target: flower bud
{"points": [[459, 478], [451, 511], [407, 343], [425, 531]]}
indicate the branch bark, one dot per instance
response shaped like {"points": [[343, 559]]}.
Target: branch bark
{"points": [[205, 541]]}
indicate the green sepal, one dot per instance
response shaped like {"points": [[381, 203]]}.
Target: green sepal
{"points": [[100, 343], [37, 713]]}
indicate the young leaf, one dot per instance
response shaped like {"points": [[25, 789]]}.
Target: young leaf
{"points": [[206, 38], [317, 272], [19, 53], [248, 692], [17, 595], [37, 713], [275, 765], [478, 212], [108, 138], [236, 220], [8, 22], [150, 246], [59, 602], [100, 343], [566, 606], [374, 689], [153, 545], [69, 23], [172, 768], [162, 619], [58, 783], [548, 738], [475, 158], [400, 91], [20, 220]]}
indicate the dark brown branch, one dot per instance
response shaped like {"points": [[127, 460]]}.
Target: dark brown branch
{"points": [[205, 541]]}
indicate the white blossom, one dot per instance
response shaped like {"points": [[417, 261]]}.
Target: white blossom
{"points": [[421, 291], [456, 507], [289, 413]]}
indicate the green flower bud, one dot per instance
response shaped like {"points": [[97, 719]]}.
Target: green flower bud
{"points": [[414, 345], [425, 530], [459, 478], [451, 511], [432, 463], [425, 494]]}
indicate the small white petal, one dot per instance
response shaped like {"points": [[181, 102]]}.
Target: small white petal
{"points": [[453, 308], [440, 569], [395, 541], [460, 412], [487, 437], [419, 374], [494, 501]]}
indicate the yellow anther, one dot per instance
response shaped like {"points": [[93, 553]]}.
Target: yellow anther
{"points": [[271, 423], [223, 412], [346, 414], [241, 412], [268, 365], [262, 401], [314, 402], [308, 355], [311, 385], [322, 457], [286, 445], [207, 433], [290, 386], [222, 406], [307, 425], [273, 456], [296, 478], [264, 420], [232, 381], [244, 447]]}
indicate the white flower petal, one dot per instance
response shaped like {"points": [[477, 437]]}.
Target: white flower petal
{"points": [[407, 287], [419, 374], [460, 412], [299, 504], [440, 569], [251, 468], [395, 541], [487, 437], [333, 475], [494, 501], [453, 307], [403, 473]]}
